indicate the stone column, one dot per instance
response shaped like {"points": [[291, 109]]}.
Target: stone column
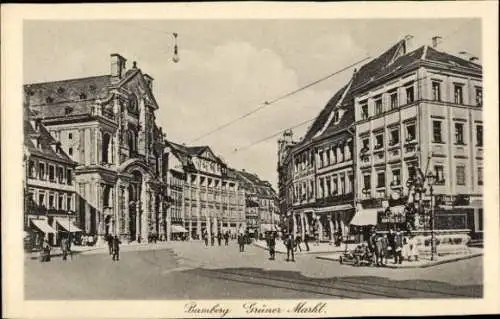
{"points": [[138, 215], [169, 221], [115, 191], [332, 229], [302, 224], [154, 212], [126, 230], [146, 200], [162, 219]]}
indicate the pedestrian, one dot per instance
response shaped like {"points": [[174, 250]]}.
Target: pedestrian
{"points": [[306, 240], [45, 251], [109, 240], [241, 242], [289, 243], [272, 245], [205, 237], [219, 237], [116, 248], [297, 243], [226, 238], [398, 247], [64, 248], [212, 239]]}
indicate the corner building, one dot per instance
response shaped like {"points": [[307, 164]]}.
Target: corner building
{"points": [[106, 124], [422, 109]]}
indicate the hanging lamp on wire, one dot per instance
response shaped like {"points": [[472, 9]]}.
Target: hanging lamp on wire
{"points": [[175, 58]]}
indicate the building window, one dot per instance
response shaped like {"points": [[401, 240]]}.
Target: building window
{"points": [[70, 151], [410, 132], [394, 100], [31, 169], [61, 202], [41, 199], [411, 172], [379, 141], [328, 187], [479, 96], [60, 174], [439, 174], [320, 154], [366, 145], [69, 177], [321, 187], [394, 137], [479, 135], [70, 136], [480, 176], [460, 175], [378, 106], [410, 94], [459, 133], [436, 90], [380, 179], [396, 177], [458, 91], [51, 201], [342, 186], [41, 171], [364, 111], [52, 176], [436, 129], [367, 182]]}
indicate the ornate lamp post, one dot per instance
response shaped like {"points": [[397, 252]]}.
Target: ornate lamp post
{"points": [[431, 179]]}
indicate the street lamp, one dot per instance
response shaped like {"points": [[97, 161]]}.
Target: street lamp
{"points": [[69, 225], [431, 179]]}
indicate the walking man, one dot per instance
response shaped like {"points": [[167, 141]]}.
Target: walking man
{"points": [[109, 240], [219, 237], [306, 240], [398, 247], [289, 243], [205, 237], [116, 248], [226, 238], [212, 239], [272, 245], [64, 248]]}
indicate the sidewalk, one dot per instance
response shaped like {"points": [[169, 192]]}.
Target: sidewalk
{"points": [[101, 249], [322, 248], [421, 263]]}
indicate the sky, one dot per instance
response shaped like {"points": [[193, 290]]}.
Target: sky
{"points": [[230, 67]]}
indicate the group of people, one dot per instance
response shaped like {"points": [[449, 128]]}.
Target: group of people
{"points": [[291, 244], [219, 236], [395, 244], [114, 246]]}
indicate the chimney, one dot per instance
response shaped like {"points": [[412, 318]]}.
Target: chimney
{"points": [[408, 43], [474, 59], [435, 41], [117, 67], [464, 55]]}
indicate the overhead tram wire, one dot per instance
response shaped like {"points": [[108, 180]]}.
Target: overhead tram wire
{"points": [[268, 103], [236, 150]]}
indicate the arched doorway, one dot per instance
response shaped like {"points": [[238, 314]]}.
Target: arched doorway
{"points": [[134, 190]]}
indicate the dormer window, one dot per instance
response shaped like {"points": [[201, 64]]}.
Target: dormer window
{"points": [[60, 90], [68, 110], [83, 96], [49, 100]]}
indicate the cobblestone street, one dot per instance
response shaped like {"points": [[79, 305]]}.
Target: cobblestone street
{"points": [[189, 270]]}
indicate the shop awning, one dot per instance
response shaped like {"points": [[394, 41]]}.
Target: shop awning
{"points": [[43, 226], [178, 229], [365, 217], [66, 225]]}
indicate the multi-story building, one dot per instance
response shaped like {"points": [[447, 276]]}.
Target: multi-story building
{"points": [[261, 211], [421, 111], [205, 194], [107, 125], [49, 186]]}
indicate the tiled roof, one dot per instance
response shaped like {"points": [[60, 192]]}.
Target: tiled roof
{"points": [[46, 142], [182, 154], [365, 74], [252, 183], [443, 57], [73, 90]]}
